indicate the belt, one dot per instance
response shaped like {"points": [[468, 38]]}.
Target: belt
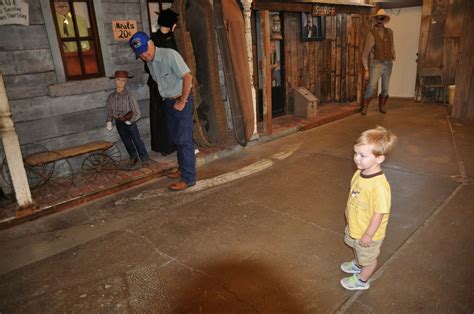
{"points": [[173, 98]]}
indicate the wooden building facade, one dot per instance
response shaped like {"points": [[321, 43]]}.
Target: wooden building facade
{"points": [[48, 107], [329, 67]]}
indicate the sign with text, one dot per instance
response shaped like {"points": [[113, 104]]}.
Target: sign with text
{"points": [[123, 29], [14, 12], [323, 10]]}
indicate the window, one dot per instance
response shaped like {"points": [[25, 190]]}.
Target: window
{"points": [[78, 39], [154, 9]]}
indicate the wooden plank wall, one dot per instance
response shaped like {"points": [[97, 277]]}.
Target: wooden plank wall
{"points": [[331, 68], [440, 35], [78, 116], [446, 42], [464, 97]]}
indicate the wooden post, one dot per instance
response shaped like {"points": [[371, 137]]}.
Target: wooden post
{"points": [[12, 150], [248, 38], [266, 71]]}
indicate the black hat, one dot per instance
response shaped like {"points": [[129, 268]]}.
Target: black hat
{"points": [[167, 18]]}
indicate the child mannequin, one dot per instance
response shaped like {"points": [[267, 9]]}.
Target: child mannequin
{"points": [[123, 107]]}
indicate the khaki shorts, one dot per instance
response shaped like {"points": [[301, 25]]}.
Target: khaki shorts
{"points": [[365, 255]]}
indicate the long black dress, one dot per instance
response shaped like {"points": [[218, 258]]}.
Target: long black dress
{"points": [[160, 139]]}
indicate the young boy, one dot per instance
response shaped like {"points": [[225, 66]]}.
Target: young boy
{"points": [[123, 108], [368, 207]]}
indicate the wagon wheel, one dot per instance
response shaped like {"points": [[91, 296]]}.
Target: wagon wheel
{"points": [[99, 167], [33, 178], [114, 153], [56, 178]]}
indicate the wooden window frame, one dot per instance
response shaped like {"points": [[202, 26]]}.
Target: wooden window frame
{"points": [[93, 39]]}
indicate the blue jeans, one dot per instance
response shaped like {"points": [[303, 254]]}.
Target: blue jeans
{"points": [[180, 127], [131, 139], [378, 69]]}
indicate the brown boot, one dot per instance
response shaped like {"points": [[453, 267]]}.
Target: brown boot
{"points": [[382, 101], [365, 106]]}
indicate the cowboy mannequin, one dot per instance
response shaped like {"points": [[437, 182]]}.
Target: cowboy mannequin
{"points": [[379, 43]]}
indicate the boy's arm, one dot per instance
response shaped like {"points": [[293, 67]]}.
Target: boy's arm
{"points": [[374, 225]]}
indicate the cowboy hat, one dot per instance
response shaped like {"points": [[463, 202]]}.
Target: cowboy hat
{"points": [[381, 13], [121, 74]]}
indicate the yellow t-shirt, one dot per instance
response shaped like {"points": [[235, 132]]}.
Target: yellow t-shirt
{"points": [[368, 195]]}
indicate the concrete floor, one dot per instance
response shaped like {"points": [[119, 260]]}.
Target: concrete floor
{"points": [[262, 232]]}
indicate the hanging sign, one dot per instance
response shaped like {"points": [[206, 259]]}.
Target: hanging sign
{"points": [[14, 12], [323, 10], [123, 29]]}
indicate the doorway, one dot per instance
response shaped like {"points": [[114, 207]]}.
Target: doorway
{"points": [[405, 23], [277, 64]]}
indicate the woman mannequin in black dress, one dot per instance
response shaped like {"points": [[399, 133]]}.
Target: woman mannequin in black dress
{"points": [[164, 38]]}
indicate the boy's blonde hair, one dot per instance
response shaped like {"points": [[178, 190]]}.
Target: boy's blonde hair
{"points": [[380, 139]]}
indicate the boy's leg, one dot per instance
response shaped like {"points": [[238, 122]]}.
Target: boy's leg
{"points": [[366, 257], [353, 266], [122, 129], [137, 141], [367, 271]]}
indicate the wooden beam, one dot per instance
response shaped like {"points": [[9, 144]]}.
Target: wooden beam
{"points": [[464, 96], [273, 5], [266, 71]]}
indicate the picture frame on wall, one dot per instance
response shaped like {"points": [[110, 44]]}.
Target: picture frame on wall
{"points": [[312, 27]]}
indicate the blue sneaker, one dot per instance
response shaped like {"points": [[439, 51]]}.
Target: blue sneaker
{"points": [[353, 283], [351, 267]]}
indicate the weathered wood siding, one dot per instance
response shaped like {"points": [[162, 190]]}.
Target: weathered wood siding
{"points": [[59, 115], [464, 97], [440, 35], [446, 42], [331, 68]]}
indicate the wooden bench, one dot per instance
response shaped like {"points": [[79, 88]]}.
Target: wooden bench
{"points": [[50, 174], [50, 156]]}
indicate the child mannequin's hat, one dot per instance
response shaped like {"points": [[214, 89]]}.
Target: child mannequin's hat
{"points": [[121, 74]]}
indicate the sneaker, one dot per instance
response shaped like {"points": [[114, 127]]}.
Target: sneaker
{"points": [[350, 268], [353, 283]]}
